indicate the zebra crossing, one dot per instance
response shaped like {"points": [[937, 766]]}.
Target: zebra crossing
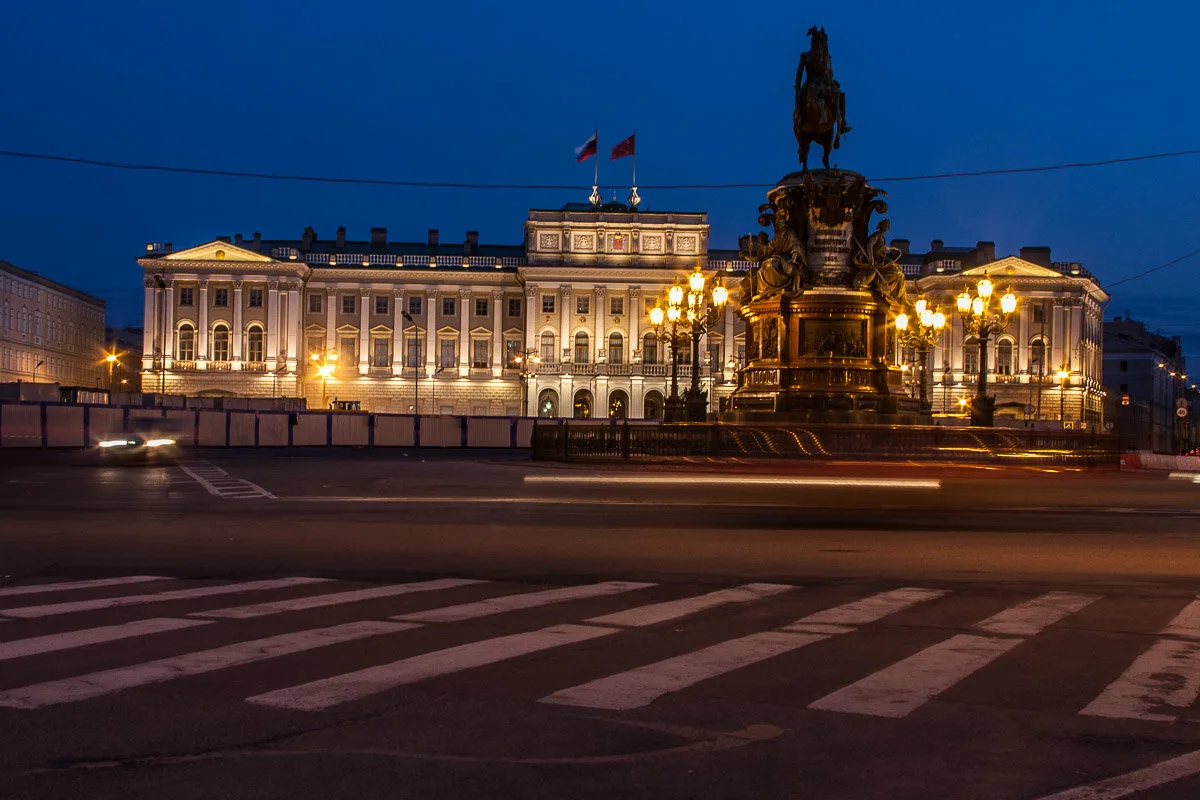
{"points": [[497, 623]]}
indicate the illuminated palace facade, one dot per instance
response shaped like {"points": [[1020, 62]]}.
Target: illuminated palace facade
{"points": [[438, 327]]}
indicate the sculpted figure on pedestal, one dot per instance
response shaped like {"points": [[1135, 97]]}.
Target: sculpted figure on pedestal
{"points": [[780, 262], [878, 269]]}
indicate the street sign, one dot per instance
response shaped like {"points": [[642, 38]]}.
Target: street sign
{"points": [[1181, 412], [1108, 426]]}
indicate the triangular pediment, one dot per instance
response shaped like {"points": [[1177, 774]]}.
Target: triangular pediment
{"points": [[1012, 267], [218, 251]]}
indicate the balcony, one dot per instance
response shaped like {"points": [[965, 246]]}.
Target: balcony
{"points": [[183, 366], [254, 366], [380, 372], [220, 366]]}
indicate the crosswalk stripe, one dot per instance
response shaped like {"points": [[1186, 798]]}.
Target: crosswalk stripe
{"points": [[641, 686], [339, 689], [65, 586], [110, 633], [898, 690], [1164, 678], [29, 612], [101, 683], [672, 609], [515, 602], [337, 598]]}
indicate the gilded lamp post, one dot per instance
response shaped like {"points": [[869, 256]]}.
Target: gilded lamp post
{"points": [[689, 314], [325, 361], [979, 319], [920, 332], [527, 364]]}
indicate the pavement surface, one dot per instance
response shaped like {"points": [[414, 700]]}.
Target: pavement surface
{"points": [[436, 624]]}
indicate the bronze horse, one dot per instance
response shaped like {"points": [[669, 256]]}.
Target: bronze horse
{"points": [[820, 114]]}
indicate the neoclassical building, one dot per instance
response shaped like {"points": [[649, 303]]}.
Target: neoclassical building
{"points": [[437, 327]]}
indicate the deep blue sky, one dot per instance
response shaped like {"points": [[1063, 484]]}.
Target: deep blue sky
{"points": [[502, 92]]}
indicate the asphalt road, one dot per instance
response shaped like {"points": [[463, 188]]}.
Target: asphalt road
{"points": [[826, 631]]}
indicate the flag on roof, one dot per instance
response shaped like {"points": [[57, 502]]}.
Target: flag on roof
{"points": [[588, 148], [623, 148]]}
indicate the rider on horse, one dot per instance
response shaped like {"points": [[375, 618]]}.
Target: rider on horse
{"points": [[820, 114]]}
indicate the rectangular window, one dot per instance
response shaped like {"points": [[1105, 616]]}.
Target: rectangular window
{"points": [[380, 353], [256, 298], [616, 306], [185, 296], [348, 304], [971, 358], [348, 351], [414, 351], [447, 306], [381, 304], [583, 304], [480, 352], [547, 304], [512, 351], [481, 305], [314, 303], [316, 343], [220, 297], [1124, 366], [514, 306], [414, 306], [1039, 313], [446, 360]]}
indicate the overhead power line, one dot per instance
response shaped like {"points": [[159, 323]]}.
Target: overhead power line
{"points": [[1146, 272], [273, 176]]}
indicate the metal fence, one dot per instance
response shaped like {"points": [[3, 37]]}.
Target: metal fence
{"points": [[564, 441]]}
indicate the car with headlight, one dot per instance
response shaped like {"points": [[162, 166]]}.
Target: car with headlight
{"points": [[145, 440]]}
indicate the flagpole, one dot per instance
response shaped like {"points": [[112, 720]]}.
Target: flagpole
{"points": [[595, 198], [634, 199]]}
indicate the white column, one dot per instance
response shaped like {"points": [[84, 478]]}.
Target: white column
{"points": [[237, 324], [1059, 334], [330, 319], [168, 322], [150, 325], [431, 342], [598, 323], [295, 325], [202, 327], [730, 346], [635, 317], [364, 331], [464, 332], [1023, 340], [530, 319], [497, 332], [565, 342], [272, 338], [398, 326]]}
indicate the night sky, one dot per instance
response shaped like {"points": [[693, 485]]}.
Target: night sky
{"points": [[503, 92]]}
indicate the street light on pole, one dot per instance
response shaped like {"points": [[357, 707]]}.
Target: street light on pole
{"points": [[416, 367], [701, 313], [980, 320], [112, 361], [924, 333], [1063, 376], [325, 361], [527, 364]]}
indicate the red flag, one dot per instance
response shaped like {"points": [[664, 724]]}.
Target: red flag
{"points": [[623, 148], [587, 149]]}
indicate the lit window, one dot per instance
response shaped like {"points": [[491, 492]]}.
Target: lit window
{"points": [[547, 304]]}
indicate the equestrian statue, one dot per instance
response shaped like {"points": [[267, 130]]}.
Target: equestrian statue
{"points": [[820, 114]]}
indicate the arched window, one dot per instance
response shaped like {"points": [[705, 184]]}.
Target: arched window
{"points": [[547, 402], [583, 404], [649, 349], [548, 354], [254, 343], [652, 405], [1004, 357], [1037, 357], [220, 342], [616, 348], [971, 356], [581, 348], [618, 404], [185, 348]]}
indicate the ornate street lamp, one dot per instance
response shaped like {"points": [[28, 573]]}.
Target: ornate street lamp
{"points": [[527, 364], [920, 332], [325, 360], [112, 361], [689, 314], [1063, 377], [980, 320]]}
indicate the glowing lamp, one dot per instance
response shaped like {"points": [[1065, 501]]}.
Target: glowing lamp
{"points": [[696, 280], [676, 294], [920, 306], [985, 288], [674, 313], [656, 316], [977, 306], [902, 322], [939, 320], [1008, 303], [964, 303], [720, 295]]}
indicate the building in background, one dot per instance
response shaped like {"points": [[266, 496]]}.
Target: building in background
{"points": [[125, 345], [49, 332], [1154, 397], [435, 327], [1047, 365]]}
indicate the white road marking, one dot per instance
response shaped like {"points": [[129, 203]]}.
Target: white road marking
{"points": [[28, 612], [639, 687], [339, 689], [97, 684], [1165, 678], [905, 686], [1119, 786], [220, 483], [1029, 618], [82, 638], [337, 598], [66, 586], [674, 609], [742, 480], [514, 602]]}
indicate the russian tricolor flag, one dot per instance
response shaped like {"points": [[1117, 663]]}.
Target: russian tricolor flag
{"points": [[588, 148]]}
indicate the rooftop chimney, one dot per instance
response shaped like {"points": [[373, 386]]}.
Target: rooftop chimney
{"points": [[237, 238], [433, 237], [936, 244], [257, 240], [471, 246], [341, 237], [1036, 255], [902, 245], [306, 241], [224, 239], [985, 252], [378, 238]]}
